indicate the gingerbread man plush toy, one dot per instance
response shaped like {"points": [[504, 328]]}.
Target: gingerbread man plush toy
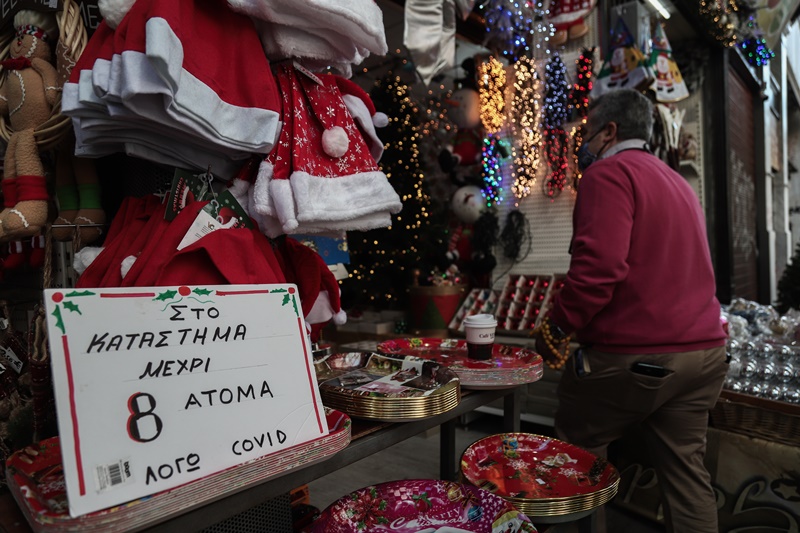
{"points": [[28, 93]]}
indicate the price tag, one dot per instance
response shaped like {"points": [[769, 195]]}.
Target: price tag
{"points": [[159, 386]]}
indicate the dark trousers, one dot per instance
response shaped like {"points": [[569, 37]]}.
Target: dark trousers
{"points": [[672, 411]]}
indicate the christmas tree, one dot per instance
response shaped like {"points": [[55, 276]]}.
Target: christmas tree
{"points": [[383, 261], [789, 285]]}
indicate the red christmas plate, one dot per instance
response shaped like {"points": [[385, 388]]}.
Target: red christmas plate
{"points": [[36, 480], [540, 475], [421, 505], [509, 366]]}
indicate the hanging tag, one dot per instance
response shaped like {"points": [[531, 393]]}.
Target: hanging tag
{"points": [[222, 213], [11, 357], [308, 73], [186, 188]]}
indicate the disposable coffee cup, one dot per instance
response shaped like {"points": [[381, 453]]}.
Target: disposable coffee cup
{"points": [[480, 336]]}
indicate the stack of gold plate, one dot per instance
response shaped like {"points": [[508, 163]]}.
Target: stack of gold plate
{"points": [[384, 388], [547, 479]]}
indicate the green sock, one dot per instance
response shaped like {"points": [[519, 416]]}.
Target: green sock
{"points": [[67, 197], [89, 196]]}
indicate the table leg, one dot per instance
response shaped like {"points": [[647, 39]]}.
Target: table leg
{"points": [[447, 450], [512, 405]]}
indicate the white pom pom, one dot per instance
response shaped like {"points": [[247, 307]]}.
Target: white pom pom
{"points": [[335, 141], [84, 257], [340, 318], [113, 11], [380, 120], [126, 265]]}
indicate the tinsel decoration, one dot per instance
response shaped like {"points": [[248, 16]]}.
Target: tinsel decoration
{"points": [[525, 126], [554, 114], [492, 173], [514, 232], [491, 87], [510, 26]]}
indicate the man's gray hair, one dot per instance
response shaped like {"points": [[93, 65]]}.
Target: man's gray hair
{"points": [[629, 109]]}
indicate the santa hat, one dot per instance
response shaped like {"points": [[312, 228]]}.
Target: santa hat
{"points": [[113, 11], [303, 183], [363, 111], [360, 21], [317, 286]]}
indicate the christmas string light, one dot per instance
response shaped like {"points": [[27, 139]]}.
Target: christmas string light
{"points": [[584, 79], [510, 25], [754, 47], [756, 51], [555, 113], [579, 103], [381, 260], [492, 173], [718, 18], [525, 127], [491, 86]]}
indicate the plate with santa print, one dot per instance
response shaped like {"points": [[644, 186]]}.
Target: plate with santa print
{"points": [[421, 505]]}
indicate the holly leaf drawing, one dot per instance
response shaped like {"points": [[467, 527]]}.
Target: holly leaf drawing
{"points": [[59, 321], [279, 290], [286, 299], [165, 296], [72, 307], [79, 293], [202, 292]]}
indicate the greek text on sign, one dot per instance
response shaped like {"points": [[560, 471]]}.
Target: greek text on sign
{"points": [[159, 386]]}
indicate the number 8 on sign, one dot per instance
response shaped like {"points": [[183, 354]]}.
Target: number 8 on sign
{"points": [[143, 424]]}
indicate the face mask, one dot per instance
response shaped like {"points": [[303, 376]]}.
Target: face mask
{"points": [[585, 157]]}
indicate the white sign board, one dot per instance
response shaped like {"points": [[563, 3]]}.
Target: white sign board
{"points": [[158, 386]]}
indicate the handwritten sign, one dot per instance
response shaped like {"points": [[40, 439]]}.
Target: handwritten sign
{"points": [[159, 386]]}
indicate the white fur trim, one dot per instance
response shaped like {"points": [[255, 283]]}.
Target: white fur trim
{"points": [[84, 257], [335, 141], [283, 199], [262, 202], [239, 189], [126, 265], [341, 199], [340, 318], [360, 113], [380, 120], [113, 11], [321, 310]]}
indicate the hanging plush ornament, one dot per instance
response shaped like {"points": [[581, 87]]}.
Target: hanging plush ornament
{"points": [[624, 67], [555, 114], [525, 126], [669, 86], [460, 159], [569, 19]]}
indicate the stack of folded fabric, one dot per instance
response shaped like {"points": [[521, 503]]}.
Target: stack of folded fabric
{"points": [[182, 83], [321, 33]]}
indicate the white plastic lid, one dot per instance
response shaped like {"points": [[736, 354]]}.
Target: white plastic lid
{"points": [[483, 320]]}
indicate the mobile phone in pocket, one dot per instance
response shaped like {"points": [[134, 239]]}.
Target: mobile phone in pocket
{"points": [[648, 369]]}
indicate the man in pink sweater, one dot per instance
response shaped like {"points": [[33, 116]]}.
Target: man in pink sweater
{"points": [[639, 295]]}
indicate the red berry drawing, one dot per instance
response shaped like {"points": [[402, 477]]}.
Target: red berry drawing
{"points": [[184, 291], [58, 297]]}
